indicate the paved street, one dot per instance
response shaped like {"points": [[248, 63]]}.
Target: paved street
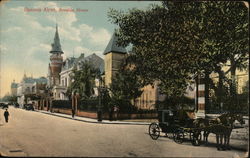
{"points": [[30, 133]]}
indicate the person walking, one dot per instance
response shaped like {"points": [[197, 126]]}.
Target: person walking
{"points": [[73, 113], [6, 115], [116, 109]]}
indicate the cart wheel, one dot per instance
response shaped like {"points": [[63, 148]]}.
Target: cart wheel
{"points": [[154, 131], [179, 136]]}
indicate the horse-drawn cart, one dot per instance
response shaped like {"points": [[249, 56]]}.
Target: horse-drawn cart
{"points": [[177, 123], [181, 124]]}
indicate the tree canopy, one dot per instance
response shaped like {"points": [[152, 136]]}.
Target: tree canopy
{"points": [[125, 86], [83, 80], [176, 40]]}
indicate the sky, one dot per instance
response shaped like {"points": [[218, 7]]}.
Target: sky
{"points": [[27, 30]]}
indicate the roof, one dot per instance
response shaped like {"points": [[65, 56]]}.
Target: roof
{"points": [[35, 80], [56, 46], [29, 80], [14, 85], [41, 80], [79, 59], [69, 63], [96, 61], [93, 59], [113, 47]]}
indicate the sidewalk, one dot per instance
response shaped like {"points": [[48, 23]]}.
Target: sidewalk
{"points": [[238, 134], [90, 120]]}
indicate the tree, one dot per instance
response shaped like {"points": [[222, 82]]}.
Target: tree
{"points": [[125, 86], [9, 98], [83, 80], [175, 40]]}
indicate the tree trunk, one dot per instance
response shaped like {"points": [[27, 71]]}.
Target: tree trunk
{"points": [[233, 87]]}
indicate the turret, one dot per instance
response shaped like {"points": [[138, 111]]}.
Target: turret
{"points": [[114, 55]]}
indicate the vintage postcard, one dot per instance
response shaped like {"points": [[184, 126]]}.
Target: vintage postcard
{"points": [[124, 78]]}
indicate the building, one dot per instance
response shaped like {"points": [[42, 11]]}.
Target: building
{"points": [[30, 87], [55, 67], [71, 63], [14, 88], [114, 56], [56, 61]]}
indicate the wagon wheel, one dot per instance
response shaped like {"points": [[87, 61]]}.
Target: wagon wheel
{"points": [[179, 136], [154, 131]]}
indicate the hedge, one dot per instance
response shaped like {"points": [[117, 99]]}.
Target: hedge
{"points": [[61, 104]]}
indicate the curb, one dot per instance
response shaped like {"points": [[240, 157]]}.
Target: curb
{"points": [[82, 120]]}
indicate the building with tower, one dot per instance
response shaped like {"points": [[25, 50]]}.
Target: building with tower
{"points": [[114, 56], [56, 61], [55, 67]]}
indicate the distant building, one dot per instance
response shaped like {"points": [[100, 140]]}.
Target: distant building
{"points": [[14, 88], [30, 86]]}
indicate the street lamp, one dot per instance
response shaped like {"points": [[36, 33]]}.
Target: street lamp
{"points": [[101, 91]]}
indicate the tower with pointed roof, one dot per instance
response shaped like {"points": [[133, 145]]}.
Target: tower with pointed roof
{"points": [[114, 55], [56, 61]]}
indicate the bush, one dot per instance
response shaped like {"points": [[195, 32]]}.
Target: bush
{"points": [[176, 103], [89, 104], [61, 104]]}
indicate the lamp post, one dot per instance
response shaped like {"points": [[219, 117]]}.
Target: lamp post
{"points": [[99, 109]]}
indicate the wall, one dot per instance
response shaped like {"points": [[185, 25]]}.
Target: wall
{"points": [[112, 65], [105, 116]]}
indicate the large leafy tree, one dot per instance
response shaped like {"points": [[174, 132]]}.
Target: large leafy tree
{"points": [[175, 40], [126, 86], [83, 80]]}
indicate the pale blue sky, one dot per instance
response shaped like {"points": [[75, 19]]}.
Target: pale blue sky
{"points": [[26, 36]]}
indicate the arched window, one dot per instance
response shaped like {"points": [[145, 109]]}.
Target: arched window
{"points": [[27, 89]]}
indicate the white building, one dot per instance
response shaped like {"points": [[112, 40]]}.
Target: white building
{"points": [[67, 69], [29, 85]]}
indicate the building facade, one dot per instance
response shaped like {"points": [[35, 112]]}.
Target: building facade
{"points": [[14, 88], [114, 56], [75, 63], [28, 87]]}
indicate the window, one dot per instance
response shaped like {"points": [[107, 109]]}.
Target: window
{"points": [[27, 89]]}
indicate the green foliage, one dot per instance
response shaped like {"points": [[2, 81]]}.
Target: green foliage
{"points": [[176, 103], [125, 87], [9, 98], [83, 80], [61, 104], [90, 104], [175, 40]]}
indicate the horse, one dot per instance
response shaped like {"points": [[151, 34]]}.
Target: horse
{"points": [[221, 126], [222, 132]]}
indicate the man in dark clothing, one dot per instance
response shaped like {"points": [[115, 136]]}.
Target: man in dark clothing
{"points": [[73, 112], [6, 115]]}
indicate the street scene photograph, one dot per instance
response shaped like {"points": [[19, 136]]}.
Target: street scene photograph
{"points": [[124, 78]]}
